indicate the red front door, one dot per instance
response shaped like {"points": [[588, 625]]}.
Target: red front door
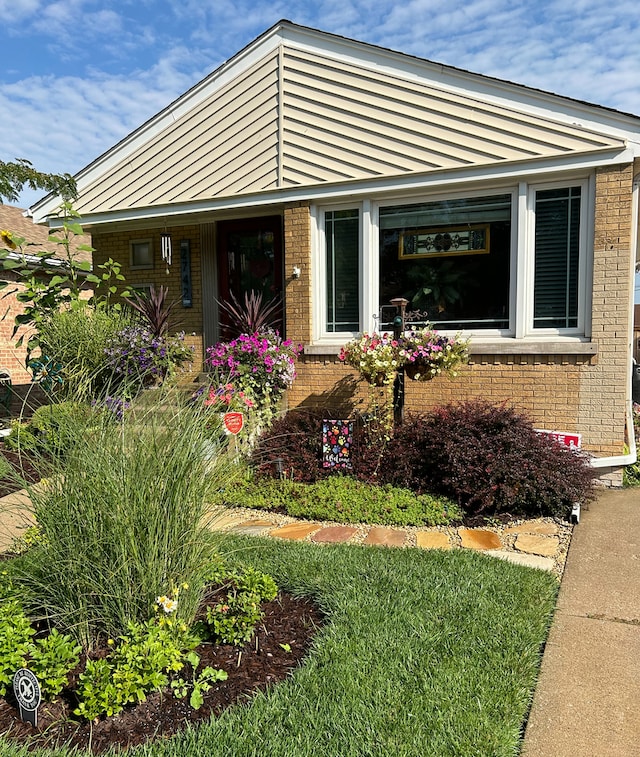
{"points": [[249, 259]]}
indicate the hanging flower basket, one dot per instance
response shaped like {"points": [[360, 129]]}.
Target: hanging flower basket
{"points": [[375, 356], [418, 371], [424, 355]]}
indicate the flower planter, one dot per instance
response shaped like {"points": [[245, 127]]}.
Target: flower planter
{"points": [[418, 372]]}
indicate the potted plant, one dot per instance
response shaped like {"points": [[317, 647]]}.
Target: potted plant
{"points": [[426, 354], [376, 357]]}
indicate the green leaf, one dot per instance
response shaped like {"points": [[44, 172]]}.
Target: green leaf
{"points": [[92, 278], [10, 265], [196, 700], [74, 227], [85, 248]]}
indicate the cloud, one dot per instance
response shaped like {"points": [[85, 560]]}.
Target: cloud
{"points": [[13, 12]]}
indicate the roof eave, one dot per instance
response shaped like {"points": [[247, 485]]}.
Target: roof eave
{"points": [[331, 191]]}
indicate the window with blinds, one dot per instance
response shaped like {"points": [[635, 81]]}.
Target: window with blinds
{"points": [[557, 248], [342, 233]]}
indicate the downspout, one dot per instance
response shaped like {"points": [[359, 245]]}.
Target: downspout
{"points": [[632, 456]]}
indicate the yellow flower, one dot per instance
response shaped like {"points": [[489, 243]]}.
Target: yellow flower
{"points": [[7, 239]]}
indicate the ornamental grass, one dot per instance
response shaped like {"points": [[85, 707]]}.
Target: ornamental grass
{"points": [[123, 513]]}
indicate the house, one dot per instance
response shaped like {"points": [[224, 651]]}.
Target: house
{"points": [[345, 175], [12, 358]]}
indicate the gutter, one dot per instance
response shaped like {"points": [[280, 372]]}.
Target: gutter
{"points": [[632, 456]]}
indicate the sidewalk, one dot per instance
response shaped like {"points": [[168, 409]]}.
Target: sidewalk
{"points": [[587, 703]]}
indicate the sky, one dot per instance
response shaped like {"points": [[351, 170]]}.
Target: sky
{"points": [[79, 75]]}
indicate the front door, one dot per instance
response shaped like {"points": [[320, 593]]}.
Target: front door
{"points": [[249, 260]]}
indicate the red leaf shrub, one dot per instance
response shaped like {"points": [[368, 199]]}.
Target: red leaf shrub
{"points": [[489, 459], [292, 447]]}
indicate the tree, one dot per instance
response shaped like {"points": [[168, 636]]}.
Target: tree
{"points": [[14, 176]]}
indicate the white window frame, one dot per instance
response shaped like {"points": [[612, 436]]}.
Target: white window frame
{"points": [[521, 293], [136, 266], [319, 296], [585, 252]]}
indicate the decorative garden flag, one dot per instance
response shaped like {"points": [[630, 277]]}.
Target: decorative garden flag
{"points": [[337, 440]]}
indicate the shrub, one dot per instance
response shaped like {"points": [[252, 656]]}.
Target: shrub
{"points": [[345, 500], [15, 639], [490, 460], [76, 339], [141, 662], [50, 428], [233, 619], [292, 447]]}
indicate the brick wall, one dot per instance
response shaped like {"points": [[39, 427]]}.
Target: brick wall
{"points": [[563, 392], [116, 246], [297, 252]]}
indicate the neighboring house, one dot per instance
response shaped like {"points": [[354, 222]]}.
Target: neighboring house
{"points": [[343, 175], [12, 358]]}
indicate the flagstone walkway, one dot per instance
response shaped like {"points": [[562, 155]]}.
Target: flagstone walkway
{"points": [[540, 543]]}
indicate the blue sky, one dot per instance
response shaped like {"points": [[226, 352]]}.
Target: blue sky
{"points": [[78, 75]]}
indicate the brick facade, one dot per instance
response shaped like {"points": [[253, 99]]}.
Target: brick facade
{"points": [[582, 393], [117, 246]]}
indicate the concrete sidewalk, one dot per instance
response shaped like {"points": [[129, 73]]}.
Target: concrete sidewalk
{"points": [[587, 703]]}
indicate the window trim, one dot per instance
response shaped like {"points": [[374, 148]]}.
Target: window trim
{"points": [[319, 302], [585, 252], [521, 288]]}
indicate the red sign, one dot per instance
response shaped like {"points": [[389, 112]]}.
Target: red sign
{"points": [[566, 439], [233, 422]]}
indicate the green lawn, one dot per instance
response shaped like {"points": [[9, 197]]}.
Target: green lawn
{"points": [[428, 654]]}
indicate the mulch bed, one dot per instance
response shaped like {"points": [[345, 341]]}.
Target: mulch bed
{"points": [[24, 468], [288, 622]]}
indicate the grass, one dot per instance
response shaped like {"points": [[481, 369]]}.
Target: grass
{"points": [[429, 654], [344, 500]]}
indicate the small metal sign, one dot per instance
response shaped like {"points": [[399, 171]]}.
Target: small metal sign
{"points": [[233, 422], [27, 692]]}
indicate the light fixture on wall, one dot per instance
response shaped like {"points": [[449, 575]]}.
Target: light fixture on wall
{"points": [[296, 272], [165, 247]]}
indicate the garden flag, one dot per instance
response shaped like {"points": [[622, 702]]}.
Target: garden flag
{"points": [[337, 439]]}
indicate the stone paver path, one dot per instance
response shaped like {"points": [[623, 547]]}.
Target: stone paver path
{"points": [[540, 543]]}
